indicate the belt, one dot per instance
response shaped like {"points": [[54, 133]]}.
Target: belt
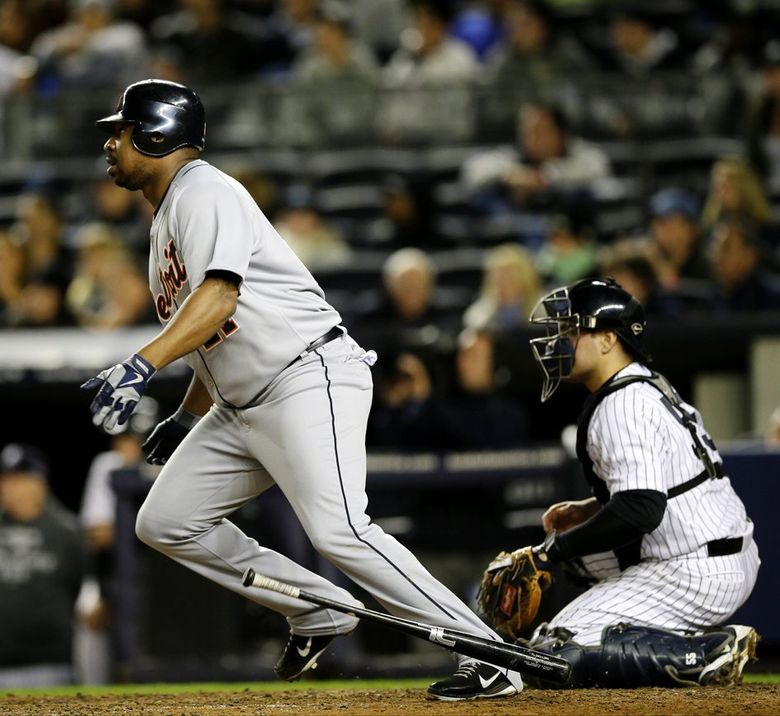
{"points": [[331, 335], [726, 546]]}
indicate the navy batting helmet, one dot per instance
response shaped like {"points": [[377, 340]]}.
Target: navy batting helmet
{"points": [[590, 305], [166, 116]]}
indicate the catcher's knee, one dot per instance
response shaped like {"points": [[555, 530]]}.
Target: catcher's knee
{"points": [[635, 656]]}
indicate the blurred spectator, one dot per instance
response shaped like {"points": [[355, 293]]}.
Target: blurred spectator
{"points": [[216, 45], [108, 289], [636, 267], [569, 251], [16, 33], [285, 34], [93, 656], [42, 562], [405, 220], [741, 277], [301, 225], [378, 24], [474, 416], [764, 120], [479, 26], [545, 164], [773, 431], [534, 53], [735, 188], [510, 289], [12, 275], [123, 211], [432, 73], [92, 49], [638, 47], [675, 231], [334, 83]]}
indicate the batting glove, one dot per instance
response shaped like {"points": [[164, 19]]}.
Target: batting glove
{"points": [[121, 387], [165, 438]]}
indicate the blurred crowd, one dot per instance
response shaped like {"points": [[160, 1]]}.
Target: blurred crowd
{"points": [[561, 114]]}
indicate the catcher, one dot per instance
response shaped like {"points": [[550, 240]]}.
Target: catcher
{"points": [[664, 541]]}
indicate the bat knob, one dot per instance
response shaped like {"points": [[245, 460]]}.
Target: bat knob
{"points": [[249, 577]]}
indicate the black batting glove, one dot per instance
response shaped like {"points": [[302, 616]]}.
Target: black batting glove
{"points": [[167, 436]]}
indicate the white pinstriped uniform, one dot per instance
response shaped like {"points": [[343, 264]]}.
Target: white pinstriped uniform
{"points": [[636, 443]]}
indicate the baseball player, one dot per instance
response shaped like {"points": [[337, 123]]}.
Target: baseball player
{"points": [[665, 537], [280, 393]]}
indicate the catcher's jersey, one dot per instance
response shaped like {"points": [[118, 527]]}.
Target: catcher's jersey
{"points": [[637, 442], [207, 221]]}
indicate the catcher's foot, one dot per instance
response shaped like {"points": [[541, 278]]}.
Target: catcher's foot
{"points": [[473, 680], [726, 669], [301, 654]]}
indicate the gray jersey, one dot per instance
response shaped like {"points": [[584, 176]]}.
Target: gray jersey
{"points": [[636, 442], [207, 222]]}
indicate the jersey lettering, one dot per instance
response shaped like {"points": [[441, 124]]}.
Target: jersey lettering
{"points": [[228, 327], [172, 278]]}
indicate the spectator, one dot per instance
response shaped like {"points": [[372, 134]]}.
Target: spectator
{"points": [[545, 165], [638, 48], [215, 44], [510, 289], [735, 188], [378, 24], [12, 273], [428, 80], [411, 415], [533, 52], [42, 561], [98, 517], [301, 225], [637, 268], [743, 282], [773, 431], [92, 49], [405, 219], [16, 32], [123, 211], [108, 290], [569, 250], [285, 35], [764, 120], [334, 83], [675, 231]]}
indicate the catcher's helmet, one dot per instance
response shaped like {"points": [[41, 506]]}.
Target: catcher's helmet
{"points": [[590, 305], [166, 116]]}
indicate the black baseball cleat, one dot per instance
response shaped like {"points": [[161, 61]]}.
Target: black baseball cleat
{"points": [[301, 654], [473, 680]]}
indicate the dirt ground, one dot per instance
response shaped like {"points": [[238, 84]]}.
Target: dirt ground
{"points": [[736, 701]]}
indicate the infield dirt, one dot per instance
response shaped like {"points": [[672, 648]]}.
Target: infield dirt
{"points": [[734, 701]]}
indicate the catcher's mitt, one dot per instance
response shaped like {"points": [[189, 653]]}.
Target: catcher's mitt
{"points": [[511, 591]]}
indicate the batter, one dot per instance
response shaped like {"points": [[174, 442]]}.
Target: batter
{"points": [[283, 391]]}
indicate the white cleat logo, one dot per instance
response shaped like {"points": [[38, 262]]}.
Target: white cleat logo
{"points": [[486, 682], [305, 651]]}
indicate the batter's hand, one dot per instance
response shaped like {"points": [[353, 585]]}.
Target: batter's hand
{"points": [[164, 439], [121, 387], [563, 516]]}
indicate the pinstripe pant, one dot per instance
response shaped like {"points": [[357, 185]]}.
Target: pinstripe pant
{"points": [[685, 594]]}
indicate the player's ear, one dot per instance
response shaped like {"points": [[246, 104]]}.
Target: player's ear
{"points": [[607, 341]]}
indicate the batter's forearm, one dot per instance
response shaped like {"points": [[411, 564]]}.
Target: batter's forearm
{"points": [[199, 318]]}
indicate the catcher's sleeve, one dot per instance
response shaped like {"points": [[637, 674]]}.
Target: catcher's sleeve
{"points": [[626, 517]]}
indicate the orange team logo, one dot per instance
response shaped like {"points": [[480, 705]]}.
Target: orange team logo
{"points": [[172, 278]]}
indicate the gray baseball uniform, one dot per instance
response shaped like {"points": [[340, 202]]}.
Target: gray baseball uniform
{"points": [[281, 415]]}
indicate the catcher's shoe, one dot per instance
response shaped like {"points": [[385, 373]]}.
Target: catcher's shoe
{"points": [[301, 654], [474, 680], [726, 668]]}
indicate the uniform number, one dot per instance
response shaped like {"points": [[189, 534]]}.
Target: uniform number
{"points": [[228, 328]]}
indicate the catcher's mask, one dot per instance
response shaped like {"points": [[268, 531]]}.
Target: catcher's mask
{"points": [[590, 305]]}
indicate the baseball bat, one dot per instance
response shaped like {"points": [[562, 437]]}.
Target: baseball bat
{"points": [[498, 653]]}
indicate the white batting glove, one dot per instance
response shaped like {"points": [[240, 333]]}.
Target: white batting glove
{"points": [[121, 387]]}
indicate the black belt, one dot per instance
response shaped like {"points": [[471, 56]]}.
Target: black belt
{"points": [[723, 547], [331, 335]]}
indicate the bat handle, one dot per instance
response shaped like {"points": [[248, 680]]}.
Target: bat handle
{"points": [[252, 579]]}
